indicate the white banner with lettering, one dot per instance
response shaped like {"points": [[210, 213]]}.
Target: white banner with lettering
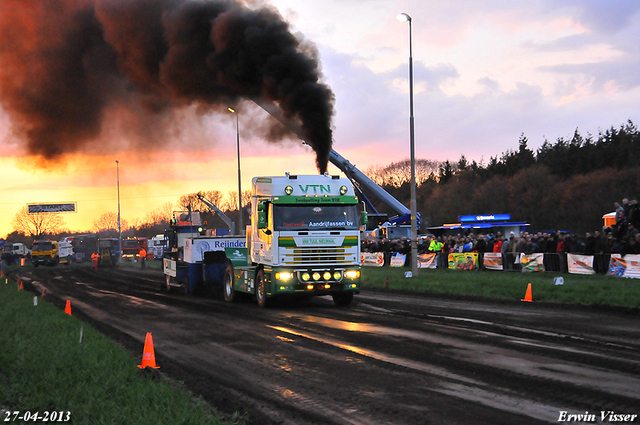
{"points": [[375, 259], [427, 261], [492, 261], [398, 260], [629, 266], [580, 264], [532, 262]]}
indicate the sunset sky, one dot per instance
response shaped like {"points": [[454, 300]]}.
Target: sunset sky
{"points": [[485, 72]]}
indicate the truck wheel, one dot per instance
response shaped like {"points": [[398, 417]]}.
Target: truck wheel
{"points": [[230, 295], [343, 298], [261, 289]]}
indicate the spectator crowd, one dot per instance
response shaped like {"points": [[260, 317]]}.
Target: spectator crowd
{"points": [[621, 238]]}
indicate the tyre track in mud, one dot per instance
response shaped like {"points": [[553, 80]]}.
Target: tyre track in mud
{"points": [[392, 358]]}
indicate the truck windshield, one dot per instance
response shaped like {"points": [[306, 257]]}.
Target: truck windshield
{"points": [[130, 243], [315, 217], [41, 246]]}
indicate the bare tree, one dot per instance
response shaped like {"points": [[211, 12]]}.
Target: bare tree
{"points": [[38, 224], [108, 223], [398, 173], [230, 202], [160, 216], [191, 200]]}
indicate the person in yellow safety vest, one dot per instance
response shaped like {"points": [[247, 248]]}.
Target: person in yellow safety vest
{"points": [[143, 256], [435, 245]]}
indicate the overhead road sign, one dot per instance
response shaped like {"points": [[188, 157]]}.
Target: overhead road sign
{"points": [[52, 208]]}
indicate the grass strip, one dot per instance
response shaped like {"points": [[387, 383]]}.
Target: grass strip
{"points": [[593, 290], [45, 368]]}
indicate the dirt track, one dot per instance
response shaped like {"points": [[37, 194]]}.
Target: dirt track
{"points": [[389, 358]]}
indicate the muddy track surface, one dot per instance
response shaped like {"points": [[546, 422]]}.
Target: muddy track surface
{"points": [[389, 358]]}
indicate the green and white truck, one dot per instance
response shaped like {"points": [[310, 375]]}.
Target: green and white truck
{"points": [[303, 240]]}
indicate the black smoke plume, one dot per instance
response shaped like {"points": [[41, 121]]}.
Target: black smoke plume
{"points": [[65, 63]]}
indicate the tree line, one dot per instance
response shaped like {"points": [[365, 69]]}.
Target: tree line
{"points": [[566, 185]]}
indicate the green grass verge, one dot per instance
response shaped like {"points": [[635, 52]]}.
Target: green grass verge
{"points": [[577, 289], [45, 367]]}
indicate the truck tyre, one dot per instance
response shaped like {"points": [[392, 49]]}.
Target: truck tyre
{"points": [[343, 298], [230, 295], [261, 288]]}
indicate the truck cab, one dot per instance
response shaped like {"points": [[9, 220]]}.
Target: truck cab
{"points": [[304, 239], [65, 252], [45, 252]]}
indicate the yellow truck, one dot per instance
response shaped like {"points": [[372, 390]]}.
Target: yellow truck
{"points": [[45, 252]]}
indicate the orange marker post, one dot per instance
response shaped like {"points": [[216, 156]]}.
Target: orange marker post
{"points": [[67, 309]]}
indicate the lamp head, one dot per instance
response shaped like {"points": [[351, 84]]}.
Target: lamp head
{"points": [[403, 17], [233, 111]]}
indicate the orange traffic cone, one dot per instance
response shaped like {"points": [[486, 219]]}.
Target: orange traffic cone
{"points": [[67, 309], [148, 355], [44, 294], [20, 287], [527, 295]]}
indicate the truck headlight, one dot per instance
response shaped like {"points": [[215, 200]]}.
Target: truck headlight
{"points": [[352, 274], [288, 190], [337, 276], [316, 276], [343, 190], [326, 275], [284, 276], [306, 276]]}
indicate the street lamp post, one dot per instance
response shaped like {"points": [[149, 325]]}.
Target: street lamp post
{"points": [[119, 228], [240, 226], [403, 17]]}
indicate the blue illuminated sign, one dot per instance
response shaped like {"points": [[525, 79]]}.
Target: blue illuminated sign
{"points": [[484, 217]]}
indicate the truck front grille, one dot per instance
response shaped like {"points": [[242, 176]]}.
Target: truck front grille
{"points": [[314, 256]]}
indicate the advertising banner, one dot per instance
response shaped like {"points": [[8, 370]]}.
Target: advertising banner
{"points": [[194, 248], [463, 261], [629, 266], [374, 259], [532, 262], [493, 261], [398, 260], [580, 264], [427, 261]]}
